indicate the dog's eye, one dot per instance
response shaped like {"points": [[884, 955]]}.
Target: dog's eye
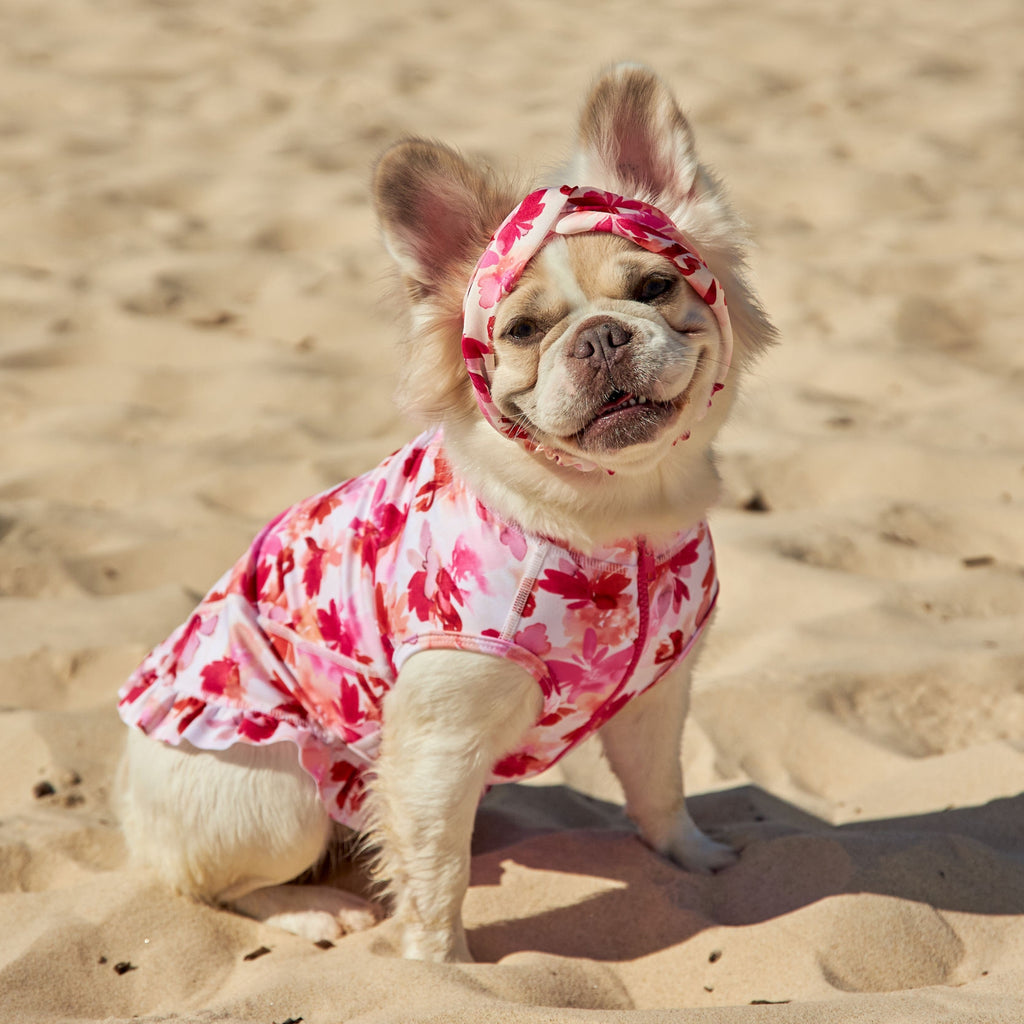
{"points": [[652, 288], [522, 329]]}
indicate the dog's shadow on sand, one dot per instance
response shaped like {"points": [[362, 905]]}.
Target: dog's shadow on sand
{"points": [[969, 859]]}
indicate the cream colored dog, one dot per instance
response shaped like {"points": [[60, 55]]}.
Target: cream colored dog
{"points": [[602, 357]]}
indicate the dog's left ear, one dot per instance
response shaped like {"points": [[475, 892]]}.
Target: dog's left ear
{"points": [[634, 139]]}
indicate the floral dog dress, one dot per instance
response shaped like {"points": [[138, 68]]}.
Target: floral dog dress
{"points": [[304, 636]]}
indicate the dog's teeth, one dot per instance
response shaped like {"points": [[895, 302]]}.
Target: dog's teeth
{"points": [[643, 401]]}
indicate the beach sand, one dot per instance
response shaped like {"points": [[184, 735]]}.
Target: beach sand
{"points": [[192, 336]]}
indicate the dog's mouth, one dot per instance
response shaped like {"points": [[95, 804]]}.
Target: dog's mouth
{"points": [[619, 401], [625, 419]]}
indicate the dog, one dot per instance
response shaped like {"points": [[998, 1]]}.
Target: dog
{"points": [[533, 569]]}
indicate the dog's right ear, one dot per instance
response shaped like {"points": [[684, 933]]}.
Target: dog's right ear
{"points": [[436, 210]]}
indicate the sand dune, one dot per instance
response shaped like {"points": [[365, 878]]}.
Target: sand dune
{"points": [[192, 336]]}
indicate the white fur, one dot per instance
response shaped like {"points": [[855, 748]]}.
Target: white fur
{"points": [[642, 745], [231, 827], [449, 718]]}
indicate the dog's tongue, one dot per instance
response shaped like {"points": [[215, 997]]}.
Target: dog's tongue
{"points": [[570, 211], [620, 400], [616, 402]]}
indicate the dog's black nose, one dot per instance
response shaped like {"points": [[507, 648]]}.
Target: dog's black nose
{"points": [[599, 339]]}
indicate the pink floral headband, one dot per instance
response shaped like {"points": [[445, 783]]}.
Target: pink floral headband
{"points": [[570, 211]]}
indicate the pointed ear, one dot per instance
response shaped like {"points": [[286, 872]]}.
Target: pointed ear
{"points": [[436, 210], [634, 140]]}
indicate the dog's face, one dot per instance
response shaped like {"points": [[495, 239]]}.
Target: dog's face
{"points": [[602, 350], [600, 347]]}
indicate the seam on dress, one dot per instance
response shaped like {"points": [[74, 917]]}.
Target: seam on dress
{"points": [[535, 562], [492, 645], [316, 649]]}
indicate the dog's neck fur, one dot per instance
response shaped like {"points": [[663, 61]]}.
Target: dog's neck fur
{"points": [[587, 510]]}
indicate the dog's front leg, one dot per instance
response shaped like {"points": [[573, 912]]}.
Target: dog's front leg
{"points": [[448, 719], [643, 745]]}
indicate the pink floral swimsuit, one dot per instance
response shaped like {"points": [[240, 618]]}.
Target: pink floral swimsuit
{"points": [[304, 637]]}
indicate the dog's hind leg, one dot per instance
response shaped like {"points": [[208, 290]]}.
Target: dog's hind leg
{"points": [[316, 912], [230, 827]]}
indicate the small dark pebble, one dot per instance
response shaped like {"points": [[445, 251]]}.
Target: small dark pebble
{"points": [[757, 503], [716, 955], [219, 319], [41, 789], [977, 561], [324, 944], [256, 953], [102, 960], [123, 967], [291, 1020]]}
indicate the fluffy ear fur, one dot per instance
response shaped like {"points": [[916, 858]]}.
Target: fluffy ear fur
{"points": [[634, 140], [436, 209], [437, 212]]}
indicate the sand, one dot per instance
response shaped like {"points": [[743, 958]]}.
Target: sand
{"points": [[192, 337]]}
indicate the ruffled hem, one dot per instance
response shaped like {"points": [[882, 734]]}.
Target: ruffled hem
{"points": [[170, 716]]}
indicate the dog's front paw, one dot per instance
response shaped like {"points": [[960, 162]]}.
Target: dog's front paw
{"points": [[435, 945], [702, 854], [690, 848]]}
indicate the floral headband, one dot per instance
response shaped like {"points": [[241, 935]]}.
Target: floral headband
{"points": [[570, 211]]}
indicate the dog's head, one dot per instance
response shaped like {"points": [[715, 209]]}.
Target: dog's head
{"points": [[597, 341], [591, 353]]}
